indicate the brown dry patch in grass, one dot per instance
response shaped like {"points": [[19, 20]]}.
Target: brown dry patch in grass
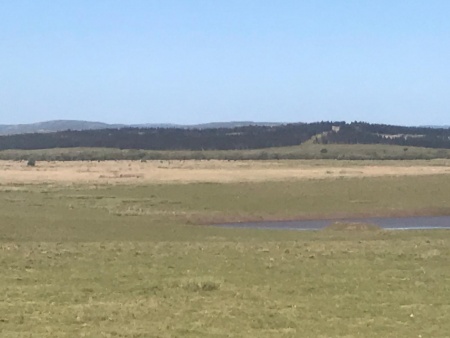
{"points": [[113, 172]]}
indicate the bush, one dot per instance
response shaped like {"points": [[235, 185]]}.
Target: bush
{"points": [[31, 163]]}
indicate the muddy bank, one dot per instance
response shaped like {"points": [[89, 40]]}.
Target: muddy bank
{"points": [[388, 223]]}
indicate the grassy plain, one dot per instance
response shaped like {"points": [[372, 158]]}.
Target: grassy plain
{"points": [[128, 258], [306, 151]]}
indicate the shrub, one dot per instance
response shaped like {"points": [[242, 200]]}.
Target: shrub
{"points": [[31, 163]]}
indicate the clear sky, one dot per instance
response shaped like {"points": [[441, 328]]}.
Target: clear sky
{"points": [[189, 61]]}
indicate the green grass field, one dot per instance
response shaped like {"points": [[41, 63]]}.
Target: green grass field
{"points": [[133, 261], [307, 151]]}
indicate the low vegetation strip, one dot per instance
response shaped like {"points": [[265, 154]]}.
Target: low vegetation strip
{"points": [[305, 151]]}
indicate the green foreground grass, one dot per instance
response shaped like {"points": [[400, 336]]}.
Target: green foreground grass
{"points": [[132, 261]]}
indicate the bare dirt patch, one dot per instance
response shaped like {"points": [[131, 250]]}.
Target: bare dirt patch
{"points": [[116, 172]]}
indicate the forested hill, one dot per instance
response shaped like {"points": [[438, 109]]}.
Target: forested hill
{"points": [[245, 137], [248, 137], [365, 133]]}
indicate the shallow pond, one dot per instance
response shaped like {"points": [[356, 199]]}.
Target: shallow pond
{"points": [[390, 223]]}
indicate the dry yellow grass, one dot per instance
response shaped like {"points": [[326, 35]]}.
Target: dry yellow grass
{"points": [[113, 172]]}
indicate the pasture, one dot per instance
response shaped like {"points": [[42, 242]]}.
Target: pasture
{"points": [[305, 151], [85, 252]]}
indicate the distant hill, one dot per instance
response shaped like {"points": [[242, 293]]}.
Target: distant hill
{"points": [[53, 126], [225, 136], [229, 125], [189, 138], [63, 125]]}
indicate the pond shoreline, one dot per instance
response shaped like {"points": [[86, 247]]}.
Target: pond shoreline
{"points": [[388, 223]]}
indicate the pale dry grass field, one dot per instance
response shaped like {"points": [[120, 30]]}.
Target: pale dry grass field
{"points": [[112, 172]]}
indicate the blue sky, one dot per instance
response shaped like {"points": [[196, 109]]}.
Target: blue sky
{"points": [[221, 60]]}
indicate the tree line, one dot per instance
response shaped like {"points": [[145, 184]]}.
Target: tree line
{"points": [[239, 138], [365, 133]]}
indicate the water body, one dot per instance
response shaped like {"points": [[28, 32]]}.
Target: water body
{"points": [[391, 223]]}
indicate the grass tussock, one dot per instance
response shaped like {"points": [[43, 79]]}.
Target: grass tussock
{"points": [[200, 285]]}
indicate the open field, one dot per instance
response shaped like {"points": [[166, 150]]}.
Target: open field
{"points": [[92, 258], [210, 171]]}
